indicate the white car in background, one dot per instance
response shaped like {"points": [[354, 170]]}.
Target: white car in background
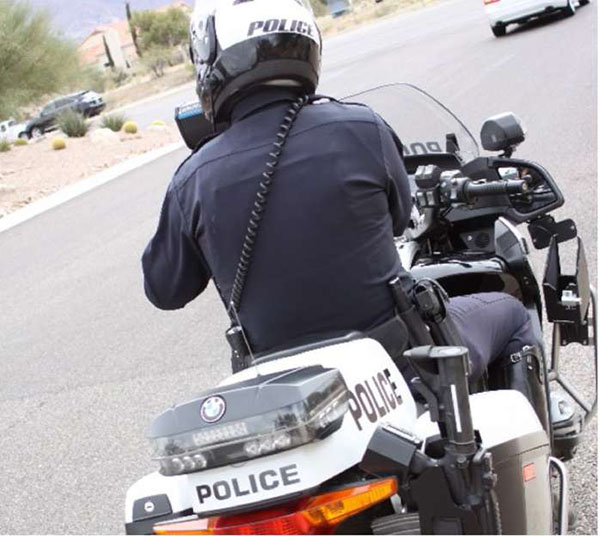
{"points": [[11, 130], [504, 12]]}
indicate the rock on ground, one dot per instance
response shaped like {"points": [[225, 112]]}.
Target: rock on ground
{"points": [[100, 136]]}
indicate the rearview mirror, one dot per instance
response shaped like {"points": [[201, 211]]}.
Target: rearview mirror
{"points": [[503, 132]]}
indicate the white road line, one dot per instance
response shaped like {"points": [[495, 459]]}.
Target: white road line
{"points": [[84, 185]]}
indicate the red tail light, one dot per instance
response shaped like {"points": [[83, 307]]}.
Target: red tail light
{"points": [[318, 515]]}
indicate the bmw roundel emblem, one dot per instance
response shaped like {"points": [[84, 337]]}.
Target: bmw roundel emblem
{"points": [[213, 409]]}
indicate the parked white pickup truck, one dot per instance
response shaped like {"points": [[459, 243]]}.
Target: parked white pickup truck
{"points": [[11, 130]]}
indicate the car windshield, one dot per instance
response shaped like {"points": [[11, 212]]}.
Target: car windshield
{"points": [[424, 125]]}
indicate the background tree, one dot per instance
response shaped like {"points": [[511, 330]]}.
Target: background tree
{"points": [[132, 29], [109, 59], [34, 61], [161, 37], [163, 29]]}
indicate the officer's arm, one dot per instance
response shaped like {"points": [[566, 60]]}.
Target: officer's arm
{"points": [[175, 271], [398, 185]]}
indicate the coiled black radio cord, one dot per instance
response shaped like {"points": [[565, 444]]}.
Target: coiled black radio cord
{"points": [[259, 206]]}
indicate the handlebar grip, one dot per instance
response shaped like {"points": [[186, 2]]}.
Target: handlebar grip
{"points": [[495, 188]]}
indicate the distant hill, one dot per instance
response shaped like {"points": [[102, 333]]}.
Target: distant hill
{"points": [[77, 18]]}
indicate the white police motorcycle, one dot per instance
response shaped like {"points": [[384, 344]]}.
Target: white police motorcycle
{"points": [[330, 438]]}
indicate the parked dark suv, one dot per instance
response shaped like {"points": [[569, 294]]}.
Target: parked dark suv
{"points": [[88, 103]]}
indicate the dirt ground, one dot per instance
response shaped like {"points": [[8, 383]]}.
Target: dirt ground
{"points": [[33, 171]]}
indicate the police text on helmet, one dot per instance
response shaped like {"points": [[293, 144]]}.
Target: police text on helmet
{"points": [[280, 25]]}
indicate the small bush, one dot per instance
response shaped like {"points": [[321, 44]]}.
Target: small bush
{"points": [[93, 78], [58, 143], [20, 141], [155, 59], [114, 122], [130, 127], [4, 146], [119, 77], [319, 7], [73, 124], [159, 123]]}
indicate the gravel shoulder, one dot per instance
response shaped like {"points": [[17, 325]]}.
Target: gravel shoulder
{"points": [[31, 172]]}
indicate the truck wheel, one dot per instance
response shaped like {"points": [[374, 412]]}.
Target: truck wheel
{"points": [[24, 135], [36, 132], [499, 30]]}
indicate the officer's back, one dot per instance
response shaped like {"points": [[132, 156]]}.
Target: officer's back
{"points": [[325, 247]]}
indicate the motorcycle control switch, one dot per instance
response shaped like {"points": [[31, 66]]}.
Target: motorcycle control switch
{"points": [[427, 179]]}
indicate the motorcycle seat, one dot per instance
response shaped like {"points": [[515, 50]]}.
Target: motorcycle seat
{"points": [[305, 344]]}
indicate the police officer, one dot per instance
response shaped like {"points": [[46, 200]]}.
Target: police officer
{"points": [[324, 251]]}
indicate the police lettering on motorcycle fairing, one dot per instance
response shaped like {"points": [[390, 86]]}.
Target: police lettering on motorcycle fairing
{"points": [[266, 480], [347, 366]]}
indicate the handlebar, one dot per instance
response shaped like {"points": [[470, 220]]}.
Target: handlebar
{"points": [[438, 189], [465, 190], [495, 188]]}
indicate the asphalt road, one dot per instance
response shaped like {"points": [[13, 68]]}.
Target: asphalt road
{"points": [[86, 362]]}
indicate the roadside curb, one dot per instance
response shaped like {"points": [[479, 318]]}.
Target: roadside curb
{"points": [[84, 185]]}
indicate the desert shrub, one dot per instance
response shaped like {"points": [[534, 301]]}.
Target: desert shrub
{"points": [[130, 127], [159, 123], [20, 141], [319, 7], [58, 143], [93, 78], [4, 146], [34, 59], [119, 77], [114, 122], [155, 60], [73, 124]]}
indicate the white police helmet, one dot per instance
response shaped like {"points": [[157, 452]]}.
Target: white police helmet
{"points": [[238, 45]]}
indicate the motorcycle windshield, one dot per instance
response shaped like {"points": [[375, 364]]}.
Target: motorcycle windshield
{"points": [[429, 131]]}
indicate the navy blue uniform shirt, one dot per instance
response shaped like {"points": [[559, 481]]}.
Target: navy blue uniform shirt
{"points": [[325, 249]]}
